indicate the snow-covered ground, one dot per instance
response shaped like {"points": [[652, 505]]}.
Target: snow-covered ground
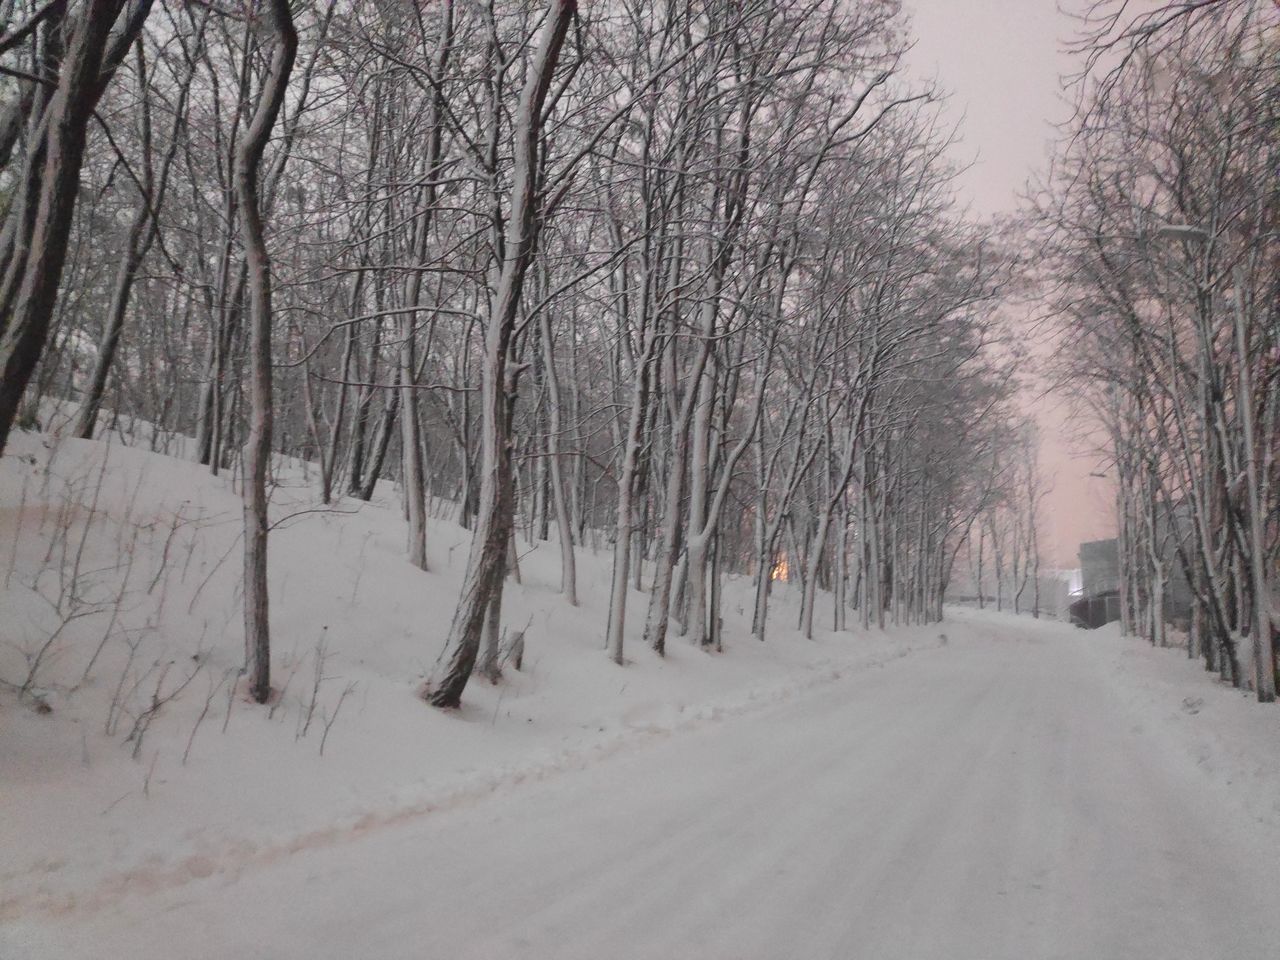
{"points": [[89, 812], [1232, 741], [992, 787]]}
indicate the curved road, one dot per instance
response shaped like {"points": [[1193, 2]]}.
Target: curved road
{"points": [[980, 801]]}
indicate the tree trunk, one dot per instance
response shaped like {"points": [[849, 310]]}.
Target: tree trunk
{"points": [[485, 563], [568, 566], [24, 325], [625, 522], [1263, 654], [257, 451]]}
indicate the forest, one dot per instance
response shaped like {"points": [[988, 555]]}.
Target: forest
{"points": [[686, 281]]}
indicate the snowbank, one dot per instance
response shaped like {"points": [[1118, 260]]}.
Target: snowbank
{"points": [[1230, 739]]}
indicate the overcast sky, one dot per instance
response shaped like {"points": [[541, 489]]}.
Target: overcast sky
{"points": [[1001, 62]]}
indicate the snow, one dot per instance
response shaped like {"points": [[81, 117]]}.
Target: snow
{"points": [[991, 787], [83, 817], [1232, 741]]}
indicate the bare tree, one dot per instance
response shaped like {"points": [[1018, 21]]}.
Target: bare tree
{"points": [[257, 632], [486, 565], [40, 215]]}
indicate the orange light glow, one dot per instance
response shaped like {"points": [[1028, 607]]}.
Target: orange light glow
{"points": [[780, 569]]}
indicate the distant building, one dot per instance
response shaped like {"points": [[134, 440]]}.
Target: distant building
{"points": [[1100, 579], [1096, 611], [1099, 601], [1099, 567]]}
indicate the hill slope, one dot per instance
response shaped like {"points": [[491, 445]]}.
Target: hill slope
{"points": [[122, 621]]}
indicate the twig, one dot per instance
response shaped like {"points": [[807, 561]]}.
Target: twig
{"points": [[213, 692], [329, 722], [231, 699], [321, 656], [146, 781], [301, 513]]}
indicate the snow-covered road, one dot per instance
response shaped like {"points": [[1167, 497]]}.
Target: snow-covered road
{"points": [[986, 800]]}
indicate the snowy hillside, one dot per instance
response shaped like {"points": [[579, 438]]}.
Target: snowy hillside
{"points": [[131, 754]]}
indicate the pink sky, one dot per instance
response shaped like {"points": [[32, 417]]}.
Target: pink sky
{"points": [[1001, 61]]}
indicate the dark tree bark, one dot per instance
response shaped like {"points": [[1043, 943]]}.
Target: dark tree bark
{"points": [[257, 451], [25, 320]]}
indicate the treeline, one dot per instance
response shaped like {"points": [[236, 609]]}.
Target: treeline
{"points": [[1162, 227], [683, 275]]}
